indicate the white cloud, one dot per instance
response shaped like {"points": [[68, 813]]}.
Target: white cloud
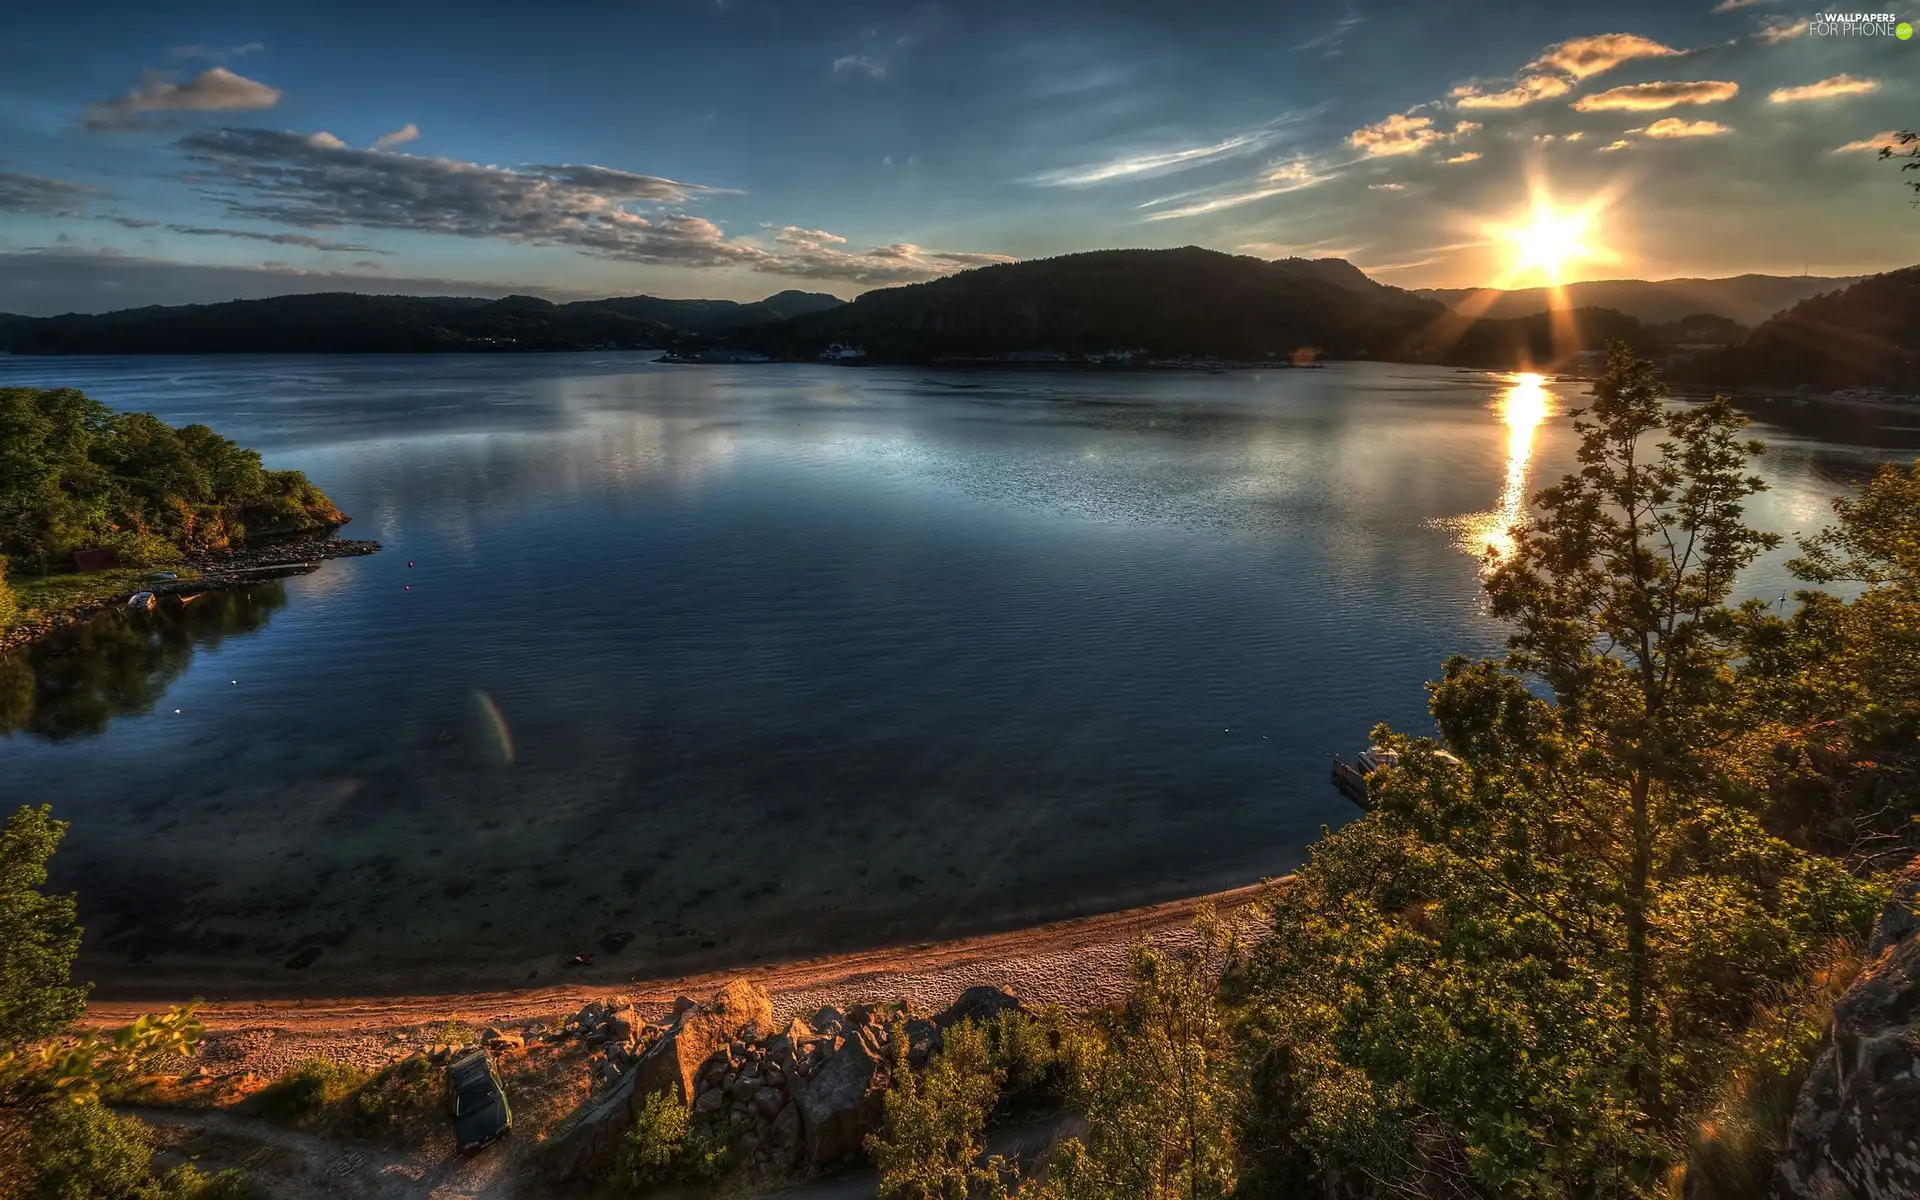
{"points": [[1467, 157], [326, 141], [875, 68], [215, 53], [1290, 177], [1650, 97], [1156, 163], [1583, 57], [1386, 187], [1726, 6], [1610, 147], [406, 133], [1403, 133], [1779, 29], [38, 194], [1826, 89], [213, 90]]}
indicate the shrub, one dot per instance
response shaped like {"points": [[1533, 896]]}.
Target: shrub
{"points": [[9, 607], [1034, 1054], [652, 1145], [306, 1091], [87, 1152], [188, 1182], [930, 1142], [396, 1092]]}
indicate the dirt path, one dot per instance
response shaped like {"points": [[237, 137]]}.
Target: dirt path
{"points": [[1079, 963]]}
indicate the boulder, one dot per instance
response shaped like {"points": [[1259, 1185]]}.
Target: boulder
{"points": [[840, 1103], [789, 1046], [981, 1005], [1856, 1127], [787, 1139], [768, 1101], [673, 1063], [828, 1020], [592, 1140]]}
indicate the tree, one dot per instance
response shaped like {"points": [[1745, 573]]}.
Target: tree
{"points": [[38, 937], [88, 1152], [1909, 139], [1617, 590], [930, 1143]]}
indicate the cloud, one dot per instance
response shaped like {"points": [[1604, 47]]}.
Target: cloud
{"points": [[1779, 29], [1584, 57], [1469, 156], [133, 222], [1158, 163], [278, 239], [1826, 89], [1291, 177], [289, 179], [1674, 127], [1330, 40], [1386, 187], [1610, 147], [1403, 133], [213, 90], [367, 264], [1726, 6], [325, 141], [37, 194], [406, 133], [1886, 139], [875, 68], [1525, 90], [1650, 97], [215, 53]]}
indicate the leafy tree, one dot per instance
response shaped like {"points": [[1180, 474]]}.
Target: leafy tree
{"points": [[929, 1146], [38, 937], [1911, 140], [1162, 1096], [9, 607], [87, 1152]]}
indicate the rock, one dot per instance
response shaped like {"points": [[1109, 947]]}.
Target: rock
{"points": [[743, 1088], [591, 1141], [923, 1039], [981, 1005], [786, 1133], [503, 1041], [674, 1063], [710, 1101], [789, 1046], [840, 1103], [828, 1020], [1856, 1127], [682, 1004], [768, 1101]]}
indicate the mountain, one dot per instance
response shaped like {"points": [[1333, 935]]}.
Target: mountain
{"points": [[1866, 336], [345, 322], [1188, 301], [1745, 299]]}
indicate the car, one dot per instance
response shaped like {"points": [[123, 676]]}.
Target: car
{"points": [[476, 1100]]}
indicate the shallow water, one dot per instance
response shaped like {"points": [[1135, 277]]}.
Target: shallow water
{"points": [[750, 662]]}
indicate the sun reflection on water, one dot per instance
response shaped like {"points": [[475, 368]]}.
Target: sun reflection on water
{"points": [[1488, 536]]}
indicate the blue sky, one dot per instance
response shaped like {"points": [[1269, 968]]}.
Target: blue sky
{"points": [[731, 148]]}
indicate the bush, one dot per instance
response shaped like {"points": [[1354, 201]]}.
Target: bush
{"points": [[307, 1090], [136, 549], [1034, 1054], [396, 1092], [87, 1152], [933, 1133], [9, 607], [666, 1142], [187, 1182]]}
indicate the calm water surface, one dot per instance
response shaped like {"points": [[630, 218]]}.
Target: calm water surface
{"points": [[694, 666]]}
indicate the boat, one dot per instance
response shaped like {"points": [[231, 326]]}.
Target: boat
{"points": [[1350, 779], [144, 601]]}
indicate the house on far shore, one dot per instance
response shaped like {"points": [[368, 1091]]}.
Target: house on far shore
{"points": [[842, 353]]}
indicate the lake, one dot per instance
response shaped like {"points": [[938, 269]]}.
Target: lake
{"points": [[688, 667]]}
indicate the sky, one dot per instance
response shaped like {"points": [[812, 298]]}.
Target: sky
{"points": [[175, 152]]}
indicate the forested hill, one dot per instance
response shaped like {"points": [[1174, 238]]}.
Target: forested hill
{"points": [[1865, 336], [343, 322], [1188, 301]]}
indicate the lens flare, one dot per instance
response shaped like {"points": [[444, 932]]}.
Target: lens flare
{"points": [[494, 726]]}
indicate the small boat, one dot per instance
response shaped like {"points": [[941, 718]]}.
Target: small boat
{"points": [[144, 601], [1351, 778]]}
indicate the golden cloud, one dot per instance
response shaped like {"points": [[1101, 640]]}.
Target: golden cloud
{"points": [[1525, 91], [1403, 133], [1826, 89], [1674, 127], [1586, 56], [1886, 139], [1469, 156], [1649, 97]]}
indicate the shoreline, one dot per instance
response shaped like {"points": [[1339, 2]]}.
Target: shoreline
{"points": [[1079, 963], [209, 571]]}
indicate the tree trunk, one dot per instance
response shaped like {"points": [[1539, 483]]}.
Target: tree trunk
{"points": [[1646, 1071]]}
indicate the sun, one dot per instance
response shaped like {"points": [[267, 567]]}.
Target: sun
{"points": [[1549, 240]]}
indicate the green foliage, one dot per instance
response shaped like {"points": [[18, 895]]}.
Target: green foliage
{"points": [[38, 937], [75, 1069], [397, 1093], [87, 1152], [9, 605], [306, 1091], [1034, 1053], [188, 1182], [74, 475], [1163, 1093], [931, 1138], [665, 1142]]}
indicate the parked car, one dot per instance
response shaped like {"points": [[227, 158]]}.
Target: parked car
{"points": [[476, 1100]]}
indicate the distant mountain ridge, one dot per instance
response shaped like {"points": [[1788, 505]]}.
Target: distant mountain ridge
{"points": [[1867, 336], [1746, 299], [350, 322]]}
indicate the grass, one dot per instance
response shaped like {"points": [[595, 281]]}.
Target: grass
{"points": [[41, 596], [1738, 1142], [398, 1103], [304, 1094]]}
